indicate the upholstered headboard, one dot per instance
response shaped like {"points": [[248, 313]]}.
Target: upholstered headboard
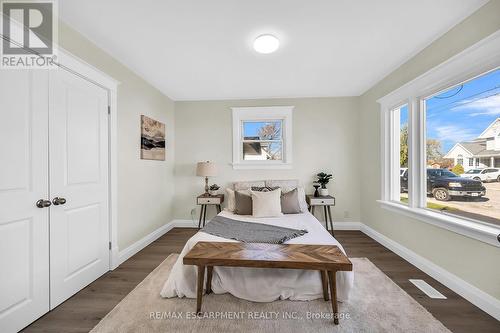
{"points": [[284, 184]]}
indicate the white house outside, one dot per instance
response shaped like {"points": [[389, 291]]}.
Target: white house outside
{"points": [[482, 152]]}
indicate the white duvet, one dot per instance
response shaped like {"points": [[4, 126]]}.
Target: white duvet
{"points": [[261, 284]]}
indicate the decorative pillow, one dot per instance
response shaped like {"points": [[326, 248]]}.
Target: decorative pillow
{"points": [[247, 185], [264, 188], [290, 202], [266, 204], [302, 199], [230, 200], [242, 203]]}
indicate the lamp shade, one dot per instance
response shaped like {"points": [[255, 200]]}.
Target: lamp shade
{"points": [[206, 169]]}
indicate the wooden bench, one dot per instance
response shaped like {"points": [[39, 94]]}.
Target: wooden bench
{"points": [[327, 259]]}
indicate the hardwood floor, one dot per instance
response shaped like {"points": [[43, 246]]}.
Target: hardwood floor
{"points": [[84, 310]]}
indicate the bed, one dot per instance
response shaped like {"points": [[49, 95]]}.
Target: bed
{"points": [[258, 284]]}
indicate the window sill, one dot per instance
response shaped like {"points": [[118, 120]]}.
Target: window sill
{"points": [[263, 166], [484, 233]]}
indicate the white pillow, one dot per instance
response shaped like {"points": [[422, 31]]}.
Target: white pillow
{"points": [[266, 204], [230, 200], [302, 199]]}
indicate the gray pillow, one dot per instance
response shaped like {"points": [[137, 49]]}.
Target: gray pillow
{"points": [[290, 202], [242, 203]]}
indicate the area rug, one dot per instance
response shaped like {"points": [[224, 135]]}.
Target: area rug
{"points": [[376, 304]]}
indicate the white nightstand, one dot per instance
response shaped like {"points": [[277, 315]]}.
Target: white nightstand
{"points": [[326, 202], [204, 201]]}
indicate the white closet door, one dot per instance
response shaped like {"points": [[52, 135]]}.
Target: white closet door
{"points": [[24, 232], [78, 150]]}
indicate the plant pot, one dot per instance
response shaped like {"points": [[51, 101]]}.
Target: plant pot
{"points": [[211, 192], [323, 192]]}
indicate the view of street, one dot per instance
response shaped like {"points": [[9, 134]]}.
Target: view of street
{"points": [[485, 209]]}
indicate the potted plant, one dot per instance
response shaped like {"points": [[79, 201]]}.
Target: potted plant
{"points": [[213, 189], [323, 179]]}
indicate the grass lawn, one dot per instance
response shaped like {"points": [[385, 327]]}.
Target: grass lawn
{"points": [[431, 205]]}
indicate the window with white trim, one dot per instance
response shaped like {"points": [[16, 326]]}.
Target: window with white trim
{"points": [[399, 119], [453, 112], [262, 137]]}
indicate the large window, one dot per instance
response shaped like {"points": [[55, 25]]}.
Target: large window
{"points": [[460, 124], [262, 137], [441, 144]]}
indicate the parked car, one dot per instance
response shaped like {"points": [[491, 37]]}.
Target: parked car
{"points": [[484, 175], [443, 184], [403, 175]]}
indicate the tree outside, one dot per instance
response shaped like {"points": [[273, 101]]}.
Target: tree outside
{"points": [[434, 153]]}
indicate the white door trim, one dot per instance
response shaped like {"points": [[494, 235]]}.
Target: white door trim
{"points": [[81, 68]]}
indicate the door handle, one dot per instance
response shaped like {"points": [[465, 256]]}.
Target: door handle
{"points": [[43, 203], [58, 201]]}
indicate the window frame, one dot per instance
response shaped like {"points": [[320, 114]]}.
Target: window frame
{"points": [[479, 59], [262, 114], [243, 140]]}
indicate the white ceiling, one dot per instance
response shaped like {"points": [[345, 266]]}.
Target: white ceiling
{"points": [[199, 50]]}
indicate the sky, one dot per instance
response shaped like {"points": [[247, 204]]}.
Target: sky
{"points": [[251, 128], [463, 112]]}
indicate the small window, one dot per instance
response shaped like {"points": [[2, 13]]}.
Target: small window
{"points": [[262, 137], [471, 162], [262, 140], [460, 160]]}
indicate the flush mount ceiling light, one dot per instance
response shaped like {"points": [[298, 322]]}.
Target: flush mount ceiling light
{"points": [[266, 44]]}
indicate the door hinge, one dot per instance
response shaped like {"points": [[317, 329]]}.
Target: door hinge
{"points": [[109, 109], [110, 245]]}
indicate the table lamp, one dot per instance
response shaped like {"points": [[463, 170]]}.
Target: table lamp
{"points": [[206, 169]]}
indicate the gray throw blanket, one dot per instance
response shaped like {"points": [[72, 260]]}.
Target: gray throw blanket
{"points": [[249, 232]]}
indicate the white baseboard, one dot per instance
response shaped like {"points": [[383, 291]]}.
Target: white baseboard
{"points": [[120, 257], [129, 251], [185, 223], [479, 298], [348, 225]]}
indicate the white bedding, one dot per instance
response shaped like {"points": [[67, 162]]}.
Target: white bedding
{"points": [[259, 284]]}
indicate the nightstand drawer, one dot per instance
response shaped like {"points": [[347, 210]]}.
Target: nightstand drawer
{"points": [[321, 201], [209, 201]]}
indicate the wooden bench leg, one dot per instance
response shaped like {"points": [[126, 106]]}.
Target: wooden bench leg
{"points": [[209, 279], [199, 291], [333, 294], [324, 282]]}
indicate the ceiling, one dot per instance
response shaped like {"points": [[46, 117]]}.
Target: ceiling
{"points": [[202, 50]]}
